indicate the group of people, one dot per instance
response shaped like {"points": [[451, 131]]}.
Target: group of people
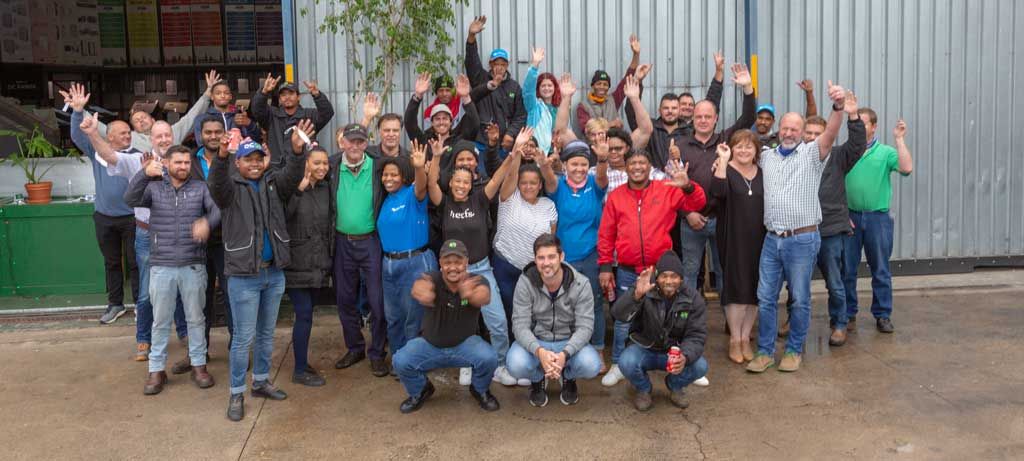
{"points": [[498, 221]]}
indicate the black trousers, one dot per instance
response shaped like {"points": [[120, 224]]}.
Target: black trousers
{"points": [[116, 238], [216, 288]]}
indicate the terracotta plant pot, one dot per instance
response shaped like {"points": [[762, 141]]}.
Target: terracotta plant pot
{"points": [[39, 193]]}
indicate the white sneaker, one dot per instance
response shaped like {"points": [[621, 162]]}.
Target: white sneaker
{"points": [[465, 376], [523, 382], [702, 382], [612, 377], [502, 376]]}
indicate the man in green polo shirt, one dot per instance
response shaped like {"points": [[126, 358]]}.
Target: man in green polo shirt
{"points": [[868, 194], [355, 187]]}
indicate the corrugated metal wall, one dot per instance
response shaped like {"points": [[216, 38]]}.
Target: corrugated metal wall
{"points": [[948, 67]]}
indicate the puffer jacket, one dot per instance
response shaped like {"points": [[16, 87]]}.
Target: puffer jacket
{"points": [[571, 315], [308, 216], [172, 212], [246, 213], [653, 327]]}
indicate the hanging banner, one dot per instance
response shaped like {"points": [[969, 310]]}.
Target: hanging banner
{"points": [[113, 49], [15, 35], [207, 35], [45, 31], [79, 33], [269, 32], [240, 31], [143, 35], [176, 32]]}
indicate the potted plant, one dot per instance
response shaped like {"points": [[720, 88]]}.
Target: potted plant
{"points": [[32, 148]]}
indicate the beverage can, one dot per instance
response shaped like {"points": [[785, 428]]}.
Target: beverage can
{"points": [[235, 140], [673, 352]]}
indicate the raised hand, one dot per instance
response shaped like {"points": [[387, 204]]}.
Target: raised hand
{"points": [[212, 77], [436, 147], [90, 124], [76, 97], [270, 83], [837, 94], [462, 87], [311, 86], [600, 150], [477, 25], [643, 283], [740, 75], [850, 103], [200, 230], [371, 106], [423, 290], [634, 44], [306, 127], [524, 136], [468, 284], [422, 85], [900, 131], [719, 62], [642, 71], [567, 86], [537, 56], [673, 150], [418, 155], [497, 79], [679, 176], [155, 169], [493, 134], [724, 152], [632, 88], [806, 84]]}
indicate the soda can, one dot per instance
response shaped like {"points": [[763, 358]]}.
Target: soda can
{"points": [[673, 352]]}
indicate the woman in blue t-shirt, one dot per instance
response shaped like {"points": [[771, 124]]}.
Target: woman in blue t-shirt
{"points": [[403, 227]]}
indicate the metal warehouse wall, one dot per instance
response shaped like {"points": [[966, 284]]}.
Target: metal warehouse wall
{"points": [[948, 67]]}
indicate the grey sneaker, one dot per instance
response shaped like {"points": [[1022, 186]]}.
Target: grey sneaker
{"points": [[112, 313]]}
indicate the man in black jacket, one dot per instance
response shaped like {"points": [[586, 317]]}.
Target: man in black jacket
{"points": [[504, 104], [255, 252], [277, 120], [669, 316]]}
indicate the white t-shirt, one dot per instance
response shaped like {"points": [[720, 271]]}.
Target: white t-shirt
{"points": [[519, 225]]}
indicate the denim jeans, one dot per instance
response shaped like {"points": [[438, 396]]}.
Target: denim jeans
{"points": [[791, 259], [624, 280], [830, 263], [255, 301], [302, 302], [403, 313], [143, 308], [507, 276], [585, 364], [493, 312], [693, 243], [589, 268], [637, 361], [167, 284], [419, 356], [872, 231]]}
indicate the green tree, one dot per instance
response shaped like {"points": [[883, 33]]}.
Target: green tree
{"points": [[395, 31]]}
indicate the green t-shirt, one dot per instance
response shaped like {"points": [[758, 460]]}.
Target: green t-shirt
{"points": [[355, 200], [867, 184]]}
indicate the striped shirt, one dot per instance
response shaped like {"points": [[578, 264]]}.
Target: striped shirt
{"points": [[519, 225], [791, 187]]}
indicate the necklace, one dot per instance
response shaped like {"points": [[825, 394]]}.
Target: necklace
{"points": [[750, 191]]}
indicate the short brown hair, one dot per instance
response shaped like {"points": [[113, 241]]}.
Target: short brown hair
{"points": [[745, 135], [389, 116], [816, 120], [870, 114]]}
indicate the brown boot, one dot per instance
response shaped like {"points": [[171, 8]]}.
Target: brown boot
{"points": [[838, 337], [735, 351], [747, 350], [201, 377], [155, 383], [182, 366]]}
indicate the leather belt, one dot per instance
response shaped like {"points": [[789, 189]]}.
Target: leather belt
{"points": [[266, 264], [405, 254], [357, 236], [141, 224], [797, 231]]}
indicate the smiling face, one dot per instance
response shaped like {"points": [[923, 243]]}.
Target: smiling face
{"points": [[317, 165], [353, 149], [686, 106], [251, 166], [288, 99], [549, 263], [461, 184], [453, 267], [576, 169], [617, 149], [669, 110], [498, 67], [441, 122], [546, 89], [466, 159], [668, 284], [638, 168], [765, 121], [600, 88], [743, 153], [119, 135], [211, 133], [444, 95], [391, 178], [704, 118], [390, 133], [791, 130], [162, 137], [529, 185], [812, 131]]}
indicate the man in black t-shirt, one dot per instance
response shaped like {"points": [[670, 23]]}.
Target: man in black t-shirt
{"points": [[451, 300]]}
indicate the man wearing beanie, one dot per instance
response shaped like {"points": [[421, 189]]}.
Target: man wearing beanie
{"points": [[504, 104], [444, 94], [597, 104], [662, 313]]}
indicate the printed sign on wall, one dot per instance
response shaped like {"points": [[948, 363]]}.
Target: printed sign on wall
{"points": [[15, 31], [269, 32], [207, 35], [176, 32], [143, 34], [240, 31]]}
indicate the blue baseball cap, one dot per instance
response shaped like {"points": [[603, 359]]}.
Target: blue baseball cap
{"points": [[499, 53], [766, 107], [248, 148]]}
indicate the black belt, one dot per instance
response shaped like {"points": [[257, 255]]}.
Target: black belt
{"points": [[266, 264], [405, 254], [797, 231], [356, 236]]}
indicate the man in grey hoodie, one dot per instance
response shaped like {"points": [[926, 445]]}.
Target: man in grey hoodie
{"points": [[553, 319]]}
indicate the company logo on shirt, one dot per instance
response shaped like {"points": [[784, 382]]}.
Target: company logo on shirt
{"points": [[468, 214], [397, 208]]}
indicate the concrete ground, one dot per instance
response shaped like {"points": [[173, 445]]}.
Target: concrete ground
{"points": [[947, 385]]}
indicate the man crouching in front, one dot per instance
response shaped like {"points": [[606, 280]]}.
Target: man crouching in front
{"points": [[451, 301]]}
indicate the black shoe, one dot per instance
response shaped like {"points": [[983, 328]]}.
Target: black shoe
{"points": [[539, 393], [350, 358], [236, 407], [308, 379], [486, 400], [884, 325], [268, 391], [379, 368], [569, 395], [412, 404], [182, 366]]}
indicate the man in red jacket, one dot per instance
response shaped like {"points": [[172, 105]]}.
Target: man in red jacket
{"points": [[635, 231]]}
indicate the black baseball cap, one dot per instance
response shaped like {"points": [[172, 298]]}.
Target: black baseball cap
{"points": [[454, 247]]}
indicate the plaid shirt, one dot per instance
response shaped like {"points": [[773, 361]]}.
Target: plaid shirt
{"points": [[791, 187], [617, 178]]}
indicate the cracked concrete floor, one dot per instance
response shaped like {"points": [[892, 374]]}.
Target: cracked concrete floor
{"points": [[945, 386]]}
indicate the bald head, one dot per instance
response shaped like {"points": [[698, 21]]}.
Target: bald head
{"points": [[705, 117], [161, 136], [791, 130], [119, 135]]}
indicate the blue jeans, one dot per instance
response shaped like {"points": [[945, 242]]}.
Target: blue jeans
{"points": [[585, 364], [637, 361], [168, 283], [624, 280], [143, 308], [418, 357], [589, 268], [692, 243], [507, 276], [872, 231], [493, 312], [830, 263], [255, 301], [791, 259], [404, 314], [302, 302]]}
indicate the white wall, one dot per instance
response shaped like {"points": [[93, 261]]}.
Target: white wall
{"points": [[12, 178]]}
